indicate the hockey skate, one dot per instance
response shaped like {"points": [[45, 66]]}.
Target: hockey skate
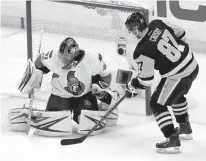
{"points": [[170, 146], [185, 130]]}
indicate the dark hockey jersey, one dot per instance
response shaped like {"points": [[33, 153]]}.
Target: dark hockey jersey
{"points": [[163, 49]]}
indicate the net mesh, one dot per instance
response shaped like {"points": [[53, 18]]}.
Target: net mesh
{"points": [[84, 21], [95, 28]]}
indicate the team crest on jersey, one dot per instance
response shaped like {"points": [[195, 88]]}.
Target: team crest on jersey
{"points": [[87, 103], [74, 86], [156, 33]]}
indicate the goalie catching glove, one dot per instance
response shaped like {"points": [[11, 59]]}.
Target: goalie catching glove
{"points": [[32, 78]]}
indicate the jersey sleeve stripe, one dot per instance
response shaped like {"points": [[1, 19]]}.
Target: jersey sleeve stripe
{"points": [[145, 83], [147, 78], [138, 84]]}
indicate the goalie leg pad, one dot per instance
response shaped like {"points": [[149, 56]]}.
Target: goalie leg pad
{"points": [[113, 118], [55, 123], [17, 119], [88, 119]]}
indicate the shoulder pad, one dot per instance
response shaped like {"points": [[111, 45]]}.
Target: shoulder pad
{"points": [[154, 23], [136, 54]]}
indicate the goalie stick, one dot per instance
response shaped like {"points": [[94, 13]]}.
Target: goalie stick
{"points": [[31, 130], [81, 139]]}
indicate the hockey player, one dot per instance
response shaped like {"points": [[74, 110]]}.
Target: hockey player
{"points": [[79, 78], [162, 47]]}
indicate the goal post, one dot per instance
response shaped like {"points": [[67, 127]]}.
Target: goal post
{"points": [[99, 20], [29, 30]]}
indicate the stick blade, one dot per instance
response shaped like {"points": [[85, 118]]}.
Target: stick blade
{"points": [[31, 131], [72, 141]]}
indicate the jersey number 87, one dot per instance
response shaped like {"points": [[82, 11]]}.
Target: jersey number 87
{"points": [[169, 50]]}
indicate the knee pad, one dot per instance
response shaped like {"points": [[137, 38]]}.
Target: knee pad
{"points": [[88, 120], [157, 108], [17, 119], [52, 123], [180, 100]]}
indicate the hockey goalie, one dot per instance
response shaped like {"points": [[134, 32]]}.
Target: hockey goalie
{"points": [[80, 92]]}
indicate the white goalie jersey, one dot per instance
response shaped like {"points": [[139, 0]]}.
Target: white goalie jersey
{"points": [[76, 81]]}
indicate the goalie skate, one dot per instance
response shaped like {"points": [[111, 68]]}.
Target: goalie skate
{"points": [[170, 146]]}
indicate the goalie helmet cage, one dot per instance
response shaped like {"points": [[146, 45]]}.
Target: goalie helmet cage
{"points": [[99, 20]]}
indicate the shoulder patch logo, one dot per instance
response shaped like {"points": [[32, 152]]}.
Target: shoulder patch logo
{"points": [[74, 86], [87, 103]]}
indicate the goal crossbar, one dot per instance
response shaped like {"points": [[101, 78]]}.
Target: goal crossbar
{"points": [[126, 8]]}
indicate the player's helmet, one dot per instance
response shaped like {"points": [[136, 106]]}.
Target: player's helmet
{"points": [[68, 50], [136, 21]]}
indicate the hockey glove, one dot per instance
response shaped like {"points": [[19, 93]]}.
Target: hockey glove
{"points": [[133, 88]]}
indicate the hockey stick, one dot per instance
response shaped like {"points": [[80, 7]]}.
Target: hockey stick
{"points": [[40, 42], [31, 130], [81, 139]]}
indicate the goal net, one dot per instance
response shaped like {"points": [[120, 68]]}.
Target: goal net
{"points": [[96, 25]]}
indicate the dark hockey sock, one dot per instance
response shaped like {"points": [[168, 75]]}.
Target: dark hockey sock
{"points": [[180, 111], [164, 121]]}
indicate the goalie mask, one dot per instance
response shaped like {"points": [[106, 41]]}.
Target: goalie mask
{"points": [[136, 23], [68, 50]]}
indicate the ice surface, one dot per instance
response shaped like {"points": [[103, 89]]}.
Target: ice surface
{"points": [[134, 137]]}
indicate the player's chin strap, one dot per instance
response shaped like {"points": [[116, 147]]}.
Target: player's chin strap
{"points": [[81, 139]]}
